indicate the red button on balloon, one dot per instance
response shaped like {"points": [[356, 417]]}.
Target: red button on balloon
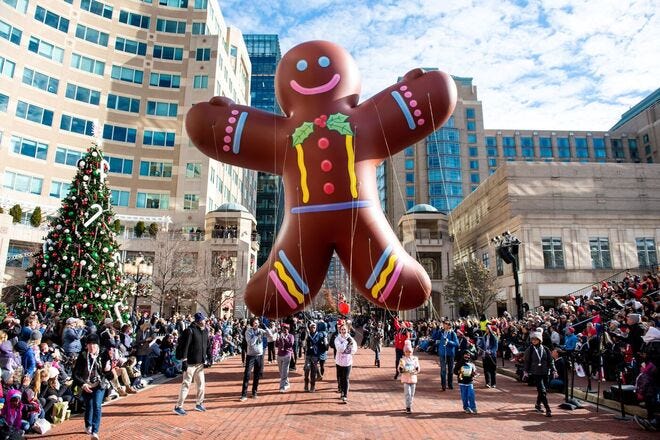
{"points": [[328, 188], [326, 165], [323, 143]]}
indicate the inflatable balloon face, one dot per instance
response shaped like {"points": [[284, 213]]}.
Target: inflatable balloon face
{"points": [[326, 148]]}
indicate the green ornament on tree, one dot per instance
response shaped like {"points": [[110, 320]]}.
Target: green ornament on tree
{"points": [[68, 239]]}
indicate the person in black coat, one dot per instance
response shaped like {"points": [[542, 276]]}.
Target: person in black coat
{"points": [[539, 365], [195, 351], [92, 372]]}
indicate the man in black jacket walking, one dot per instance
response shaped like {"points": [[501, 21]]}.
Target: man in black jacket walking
{"points": [[196, 340]]}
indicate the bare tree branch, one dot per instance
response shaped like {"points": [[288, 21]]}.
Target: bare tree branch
{"points": [[471, 284]]}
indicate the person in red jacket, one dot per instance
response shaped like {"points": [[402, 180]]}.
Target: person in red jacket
{"points": [[403, 332]]}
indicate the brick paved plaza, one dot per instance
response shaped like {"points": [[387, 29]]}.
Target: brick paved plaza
{"points": [[375, 410]]}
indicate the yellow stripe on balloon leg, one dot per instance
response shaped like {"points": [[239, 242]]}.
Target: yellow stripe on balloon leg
{"points": [[383, 276], [351, 165], [303, 173], [288, 281]]}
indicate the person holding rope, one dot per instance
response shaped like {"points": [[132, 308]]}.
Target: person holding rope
{"points": [[403, 333], [446, 342], [488, 346], [539, 364]]}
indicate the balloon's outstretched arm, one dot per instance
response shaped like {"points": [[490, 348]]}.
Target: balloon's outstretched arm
{"points": [[238, 134], [406, 112]]}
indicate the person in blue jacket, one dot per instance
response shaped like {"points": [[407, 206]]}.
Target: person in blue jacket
{"points": [[446, 342], [571, 340]]}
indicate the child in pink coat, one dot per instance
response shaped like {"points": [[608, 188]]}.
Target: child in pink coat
{"points": [[408, 368]]}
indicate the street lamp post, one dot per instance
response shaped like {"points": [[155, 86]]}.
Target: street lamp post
{"points": [[138, 269], [507, 246]]}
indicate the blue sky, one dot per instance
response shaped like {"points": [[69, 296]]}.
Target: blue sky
{"points": [[537, 64]]}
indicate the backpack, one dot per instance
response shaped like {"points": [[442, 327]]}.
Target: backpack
{"points": [[181, 345]]}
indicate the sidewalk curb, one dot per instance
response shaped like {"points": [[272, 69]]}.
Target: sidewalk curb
{"points": [[580, 394]]}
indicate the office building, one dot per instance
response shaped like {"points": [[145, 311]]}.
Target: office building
{"points": [[134, 68], [264, 51]]}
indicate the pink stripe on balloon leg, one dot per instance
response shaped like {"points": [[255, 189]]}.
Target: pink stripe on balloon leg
{"points": [[392, 282], [280, 288]]}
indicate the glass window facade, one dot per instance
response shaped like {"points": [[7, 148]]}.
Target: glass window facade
{"points": [[76, 125], [167, 80], [92, 35], [599, 148], [130, 46], [553, 253], [168, 52], [152, 201], [46, 50], [34, 113], [155, 169], [22, 183], [119, 198], [119, 134], [10, 33], [123, 103], [647, 254], [83, 94], [40, 81], [59, 189], [67, 156], [28, 147], [133, 19], [87, 64], [157, 138], [120, 165], [7, 67], [600, 253], [545, 147], [157, 108], [99, 8], [126, 74]]}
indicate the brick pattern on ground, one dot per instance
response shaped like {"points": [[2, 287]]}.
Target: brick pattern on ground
{"points": [[375, 409]]}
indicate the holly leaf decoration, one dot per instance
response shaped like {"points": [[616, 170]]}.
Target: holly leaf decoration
{"points": [[301, 133], [337, 122]]}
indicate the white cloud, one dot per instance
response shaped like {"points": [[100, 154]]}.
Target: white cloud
{"points": [[551, 64]]}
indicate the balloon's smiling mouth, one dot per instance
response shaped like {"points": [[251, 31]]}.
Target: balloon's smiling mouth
{"points": [[316, 90]]}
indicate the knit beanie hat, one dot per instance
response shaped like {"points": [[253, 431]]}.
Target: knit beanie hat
{"points": [[35, 336], [538, 335]]}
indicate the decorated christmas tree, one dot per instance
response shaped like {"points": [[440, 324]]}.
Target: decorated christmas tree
{"points": [[77, 271]]}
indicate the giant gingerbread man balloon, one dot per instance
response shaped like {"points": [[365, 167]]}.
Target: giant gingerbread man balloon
{"points": [[326, 148]]}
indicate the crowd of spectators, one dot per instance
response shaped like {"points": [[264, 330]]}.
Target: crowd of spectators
{"points": [[610, 333], [613, 332], [38, 355]]}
